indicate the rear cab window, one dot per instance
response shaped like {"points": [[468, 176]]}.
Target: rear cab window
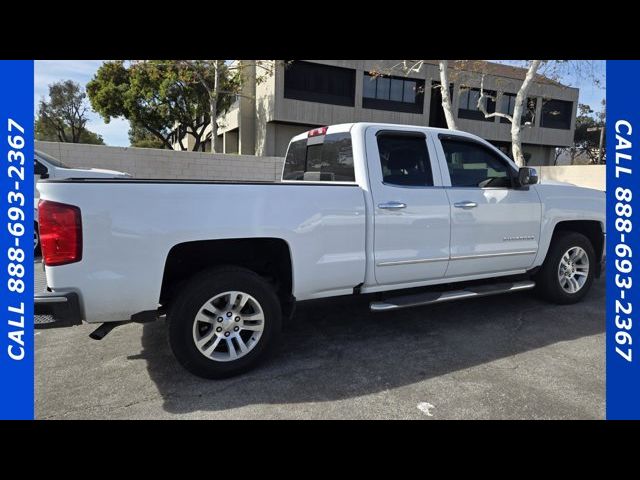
{"points": [[320, 158]]}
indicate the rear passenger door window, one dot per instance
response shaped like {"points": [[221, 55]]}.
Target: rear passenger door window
{"points": [[471, 164], [404, 159]]}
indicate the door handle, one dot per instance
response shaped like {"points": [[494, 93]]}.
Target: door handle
{"points": [[465, 204], [392, 205]]}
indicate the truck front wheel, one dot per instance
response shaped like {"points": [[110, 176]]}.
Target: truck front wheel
{"points": [[567, 272], [224, 322]]}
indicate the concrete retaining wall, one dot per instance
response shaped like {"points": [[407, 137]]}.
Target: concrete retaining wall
{"points": [[165, 164], [590, 176], [170, 164]]}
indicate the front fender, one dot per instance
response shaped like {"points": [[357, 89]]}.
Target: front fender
{"points": [[566, 203]]}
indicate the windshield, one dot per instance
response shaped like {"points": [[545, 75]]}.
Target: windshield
{"points": [[49, 159]]}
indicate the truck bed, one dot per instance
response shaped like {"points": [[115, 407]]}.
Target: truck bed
{"points": [[129, 227]]}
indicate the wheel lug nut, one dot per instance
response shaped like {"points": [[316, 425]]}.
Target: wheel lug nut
{"points": [[226, 334], [236, 329], [237, 319], [229, 314], [219, 319], [219, 329]]}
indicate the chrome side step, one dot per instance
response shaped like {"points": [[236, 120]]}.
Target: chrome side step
{"points": [[429, 298]]}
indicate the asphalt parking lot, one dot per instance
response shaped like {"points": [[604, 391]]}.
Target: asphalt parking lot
{"points": [[503, 357]]}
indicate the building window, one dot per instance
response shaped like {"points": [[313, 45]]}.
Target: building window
{"points": [[507, 106], [313, 82], [468, 104], [556, 114], [397, 94]]}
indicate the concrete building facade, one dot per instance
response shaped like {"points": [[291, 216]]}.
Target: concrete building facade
{"points": [[304, 94]]}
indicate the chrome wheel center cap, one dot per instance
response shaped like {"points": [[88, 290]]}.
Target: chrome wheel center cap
{"points": [[227, 322]]}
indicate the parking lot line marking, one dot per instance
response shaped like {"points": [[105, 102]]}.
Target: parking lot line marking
{"points": [[425, 408]]}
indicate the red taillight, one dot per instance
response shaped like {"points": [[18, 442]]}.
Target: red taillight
{"points": [[60, 228], [317, 132]]}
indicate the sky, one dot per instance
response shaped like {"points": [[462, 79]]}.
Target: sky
{"points": [[116, 132], [590, 93], [49, 71]]}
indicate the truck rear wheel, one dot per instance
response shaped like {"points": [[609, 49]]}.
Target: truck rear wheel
{"points": [[567, 272], [224, 322]]}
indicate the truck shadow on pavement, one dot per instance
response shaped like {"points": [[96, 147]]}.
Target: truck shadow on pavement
{"points": [[337, 349]]}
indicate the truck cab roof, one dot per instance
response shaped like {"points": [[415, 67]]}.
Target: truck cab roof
{"points": [[347, 127], [327, 153]]}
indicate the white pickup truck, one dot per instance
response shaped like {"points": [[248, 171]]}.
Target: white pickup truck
{"points": [[407, 215]]}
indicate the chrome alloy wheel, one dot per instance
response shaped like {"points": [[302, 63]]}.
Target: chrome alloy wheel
{"points": [[228, 326], [573, 270]]}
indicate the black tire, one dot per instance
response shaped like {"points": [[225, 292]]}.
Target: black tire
{"points": [[194, 294], [547, 281]]}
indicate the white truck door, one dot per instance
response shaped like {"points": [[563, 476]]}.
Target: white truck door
{"points": [[495, 227], [411, 209]]}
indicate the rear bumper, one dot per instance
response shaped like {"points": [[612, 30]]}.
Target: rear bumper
{"points": [[63, 307]]}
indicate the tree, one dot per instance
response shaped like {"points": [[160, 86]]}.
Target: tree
{"points": [[92, 138], [222, 81], [518, 110], [45, 133], [552, 69], [443, 67], [148, 99], [586, 141], [63, 117], [164, 97], [140, 137], [208, 74]]}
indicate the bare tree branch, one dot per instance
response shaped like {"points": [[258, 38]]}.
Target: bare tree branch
{"points": [[482, 106]]}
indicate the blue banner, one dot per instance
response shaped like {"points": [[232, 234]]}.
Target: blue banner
{"points": [[623, 248], [16, 250]]}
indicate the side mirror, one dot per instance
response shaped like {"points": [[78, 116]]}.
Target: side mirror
{"points": [[527, 176], [40, 169]]}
